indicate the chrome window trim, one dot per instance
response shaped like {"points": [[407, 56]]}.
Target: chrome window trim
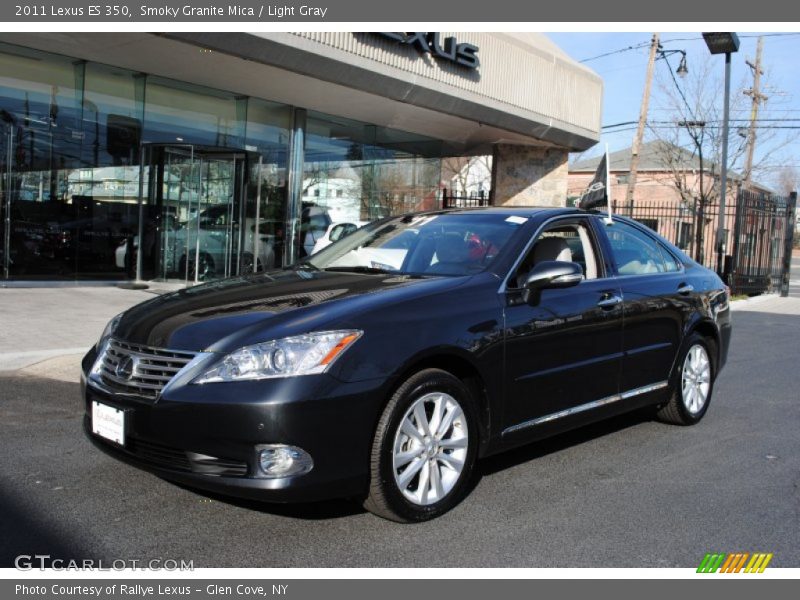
{"points": [[645, 389], [598, 252]]}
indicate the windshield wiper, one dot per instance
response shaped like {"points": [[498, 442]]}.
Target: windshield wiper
{"points": [[362, 269]]}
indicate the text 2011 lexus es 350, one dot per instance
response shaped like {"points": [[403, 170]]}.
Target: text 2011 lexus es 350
{"points": [[385, 365]]}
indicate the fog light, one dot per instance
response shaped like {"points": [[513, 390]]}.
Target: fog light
{"points": [[278, 460]]}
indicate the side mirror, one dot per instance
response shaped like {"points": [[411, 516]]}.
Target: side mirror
{"points": [[336, 233], [550, 274]]}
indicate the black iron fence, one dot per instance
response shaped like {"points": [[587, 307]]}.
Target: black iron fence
{"points": [[757, 235], [450, 200], [762, 243]]}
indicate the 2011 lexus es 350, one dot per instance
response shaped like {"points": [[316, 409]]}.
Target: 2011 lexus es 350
{"points": [[385, 365]]}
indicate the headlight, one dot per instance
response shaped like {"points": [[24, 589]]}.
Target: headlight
{"points": [[109, 330], [297, 355]]}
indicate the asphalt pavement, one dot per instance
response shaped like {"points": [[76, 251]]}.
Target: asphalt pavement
{"points": [[629, 492]]}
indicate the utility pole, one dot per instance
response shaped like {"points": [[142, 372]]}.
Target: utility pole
{"points": [[758, 98], [637, 140]]}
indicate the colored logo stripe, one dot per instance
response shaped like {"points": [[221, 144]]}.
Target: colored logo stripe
{"points": [[711, 563], [758, 563], [733, 563]]}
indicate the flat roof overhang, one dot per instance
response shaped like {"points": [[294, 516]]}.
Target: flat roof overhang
{"points": [[468, 111]]}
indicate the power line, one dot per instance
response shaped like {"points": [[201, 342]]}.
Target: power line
{"points": [[619, 124], [620, 51], [686, 39], [680, 91], [740, 110], [755, 35], [712, 121], [636, 47], [675, 125]]}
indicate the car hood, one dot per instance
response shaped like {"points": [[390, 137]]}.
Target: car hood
{"points": [[233, 312]]}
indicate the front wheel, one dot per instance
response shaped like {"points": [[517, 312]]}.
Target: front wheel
{"points": [[692, 383], [424, 449]]}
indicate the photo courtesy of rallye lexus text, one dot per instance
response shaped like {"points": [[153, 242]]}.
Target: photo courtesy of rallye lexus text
{"points": [[382, 367]]}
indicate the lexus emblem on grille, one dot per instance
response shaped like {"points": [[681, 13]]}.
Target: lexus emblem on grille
{"points": [[126, 367]]}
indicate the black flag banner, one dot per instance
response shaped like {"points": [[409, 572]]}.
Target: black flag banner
{"points": [[596, 194]]}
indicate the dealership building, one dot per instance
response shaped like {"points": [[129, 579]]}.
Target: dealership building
{"points": [[191, 156]]}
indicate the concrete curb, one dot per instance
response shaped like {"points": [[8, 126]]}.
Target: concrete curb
{"points": [[65, 367], [746, 302], [13, 361]]}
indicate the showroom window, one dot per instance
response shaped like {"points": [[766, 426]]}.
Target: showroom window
{"points": [[177, 112], [267, 144], [40, 104], [87, 148], [355, 172]]}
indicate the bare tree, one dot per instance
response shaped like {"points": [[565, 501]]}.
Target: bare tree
{"points": [[691, 136], [453, 170], [692, 130], [463, 171], [788, 180]]}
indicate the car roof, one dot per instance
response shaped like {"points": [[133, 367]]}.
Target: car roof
{"points": [[522, 211]]}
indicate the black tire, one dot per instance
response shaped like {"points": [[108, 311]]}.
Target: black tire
{"points": [[675, 410], [385, 497], [248, 264], [207, 270]]}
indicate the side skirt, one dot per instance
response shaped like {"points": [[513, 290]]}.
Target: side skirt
{"points": [[646, 389]]}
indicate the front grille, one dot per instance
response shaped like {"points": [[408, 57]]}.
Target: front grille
{"points": [[158, 455], [151, 368]]}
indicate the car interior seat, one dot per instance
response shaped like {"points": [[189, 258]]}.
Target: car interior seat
{"points": [[628, 263], [452, 254]]}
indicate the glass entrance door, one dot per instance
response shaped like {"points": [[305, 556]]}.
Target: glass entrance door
{"points": [[193, 231], [5, 198]]}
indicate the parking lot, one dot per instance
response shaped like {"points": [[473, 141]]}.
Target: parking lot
{"points": [[630, 492]]}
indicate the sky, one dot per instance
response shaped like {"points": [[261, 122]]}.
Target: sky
{"points": [[623, 75]]}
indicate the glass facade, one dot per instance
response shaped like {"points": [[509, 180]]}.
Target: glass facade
{"points": [[111, 174], [355, 172]]}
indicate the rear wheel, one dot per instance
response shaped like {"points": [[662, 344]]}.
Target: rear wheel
{"points": [[424, 449], [692, 384], [205, 272]]}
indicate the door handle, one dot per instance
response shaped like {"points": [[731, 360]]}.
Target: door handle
{"points": [[685, 289], [609, 301]]}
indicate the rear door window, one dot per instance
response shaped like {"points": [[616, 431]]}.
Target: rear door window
{"points": [[634, 252]]}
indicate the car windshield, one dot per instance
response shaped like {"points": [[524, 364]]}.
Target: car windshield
{"points": [[440, 244]]}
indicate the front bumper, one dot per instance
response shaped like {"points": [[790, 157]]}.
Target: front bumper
{"points": [[205, 436]]}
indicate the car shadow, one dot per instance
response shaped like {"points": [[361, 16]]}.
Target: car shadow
{"points": [[30, 542], [308, 511], [563, 441]]}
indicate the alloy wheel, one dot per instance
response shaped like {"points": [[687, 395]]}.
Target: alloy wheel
{"points": [[696, 379], [430, 448]]}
